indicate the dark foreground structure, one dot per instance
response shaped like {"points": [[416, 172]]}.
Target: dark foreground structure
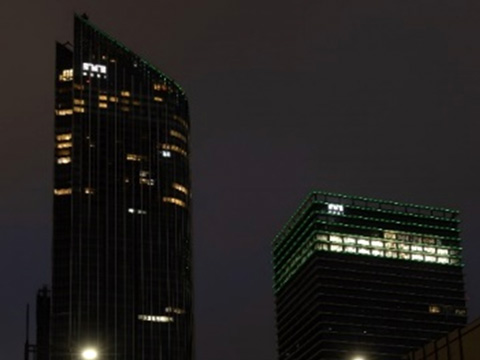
{"points": [[460, 344], [363, 278], [122, 263]]}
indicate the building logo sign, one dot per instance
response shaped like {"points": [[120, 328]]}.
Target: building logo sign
{"points": [[90, 69], [335, 209]]}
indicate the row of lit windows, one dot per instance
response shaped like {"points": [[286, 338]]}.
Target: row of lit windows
{"points": [[381, 248], [63, 112], [64, 160], [64, 137], [137, 211], [178, 135], [175, 201], [68, 191], [180, 188], [135, 157], [66, 75], [64, 145], [396, 235], [145, 179], [156, 318], [180, 120], [79, 101], [176, 148], [160, 87], [391, 245]]}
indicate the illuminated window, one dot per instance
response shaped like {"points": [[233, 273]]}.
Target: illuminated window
{"points": [[461, 312], [66, 75], [64, 137], [377, 252], [175, 201], [89, 191], [335, 239], [174, 310], [389, 235], [171, 147], [434, 309], [390, 245], [417, 248], [166, 154], [180, 188], [102, 97], [79, 109], [405, 256], [377, 243], [102, 105], [442, 260], [64, 145], [79, 101], [391, 254], [442, 252], [336, 247], [322, 237], [146, 181], [160, 87], [113, 99], [348, 240], [125, 93], [63, 112], [137, 211], [417, 257], [64, 191], [429, 250], [350, 249], [404, 247], [64, 160], [156, 318], [157, 99], [364, 251], [430, 258], [335, 209], [135, 157], [363, 242]]}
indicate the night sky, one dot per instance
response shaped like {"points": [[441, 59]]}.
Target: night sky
{"points": [[374, 98]]}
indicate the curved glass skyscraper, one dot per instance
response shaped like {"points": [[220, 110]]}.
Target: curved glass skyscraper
{"points": [[122, 275]]}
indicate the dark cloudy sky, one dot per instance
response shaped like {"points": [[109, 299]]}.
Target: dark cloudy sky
{"points": [[375, 98]]}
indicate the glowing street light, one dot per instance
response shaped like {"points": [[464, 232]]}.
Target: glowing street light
{"points": [[89, 354], [358, 358]]}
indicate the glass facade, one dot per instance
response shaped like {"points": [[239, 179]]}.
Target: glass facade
{"points": [[121, 252], [355, 276]]}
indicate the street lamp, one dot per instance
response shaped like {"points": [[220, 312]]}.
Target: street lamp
{"points": [[89, 354], [358, 358]]}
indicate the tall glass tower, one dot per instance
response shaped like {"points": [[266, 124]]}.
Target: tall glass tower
{"points": [[122, 252], [361, 278]]}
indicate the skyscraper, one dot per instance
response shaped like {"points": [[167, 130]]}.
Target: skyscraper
{"points": [[122, 263], [363, 278]]}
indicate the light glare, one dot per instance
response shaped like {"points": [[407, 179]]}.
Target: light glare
{"points": [[90, 354]]}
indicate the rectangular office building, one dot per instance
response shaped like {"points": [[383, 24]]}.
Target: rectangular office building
{"points": [[360, 278]]}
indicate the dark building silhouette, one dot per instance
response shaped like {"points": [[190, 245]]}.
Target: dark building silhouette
{"points": [[363, 278], [43, 324], [122, 264]]}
